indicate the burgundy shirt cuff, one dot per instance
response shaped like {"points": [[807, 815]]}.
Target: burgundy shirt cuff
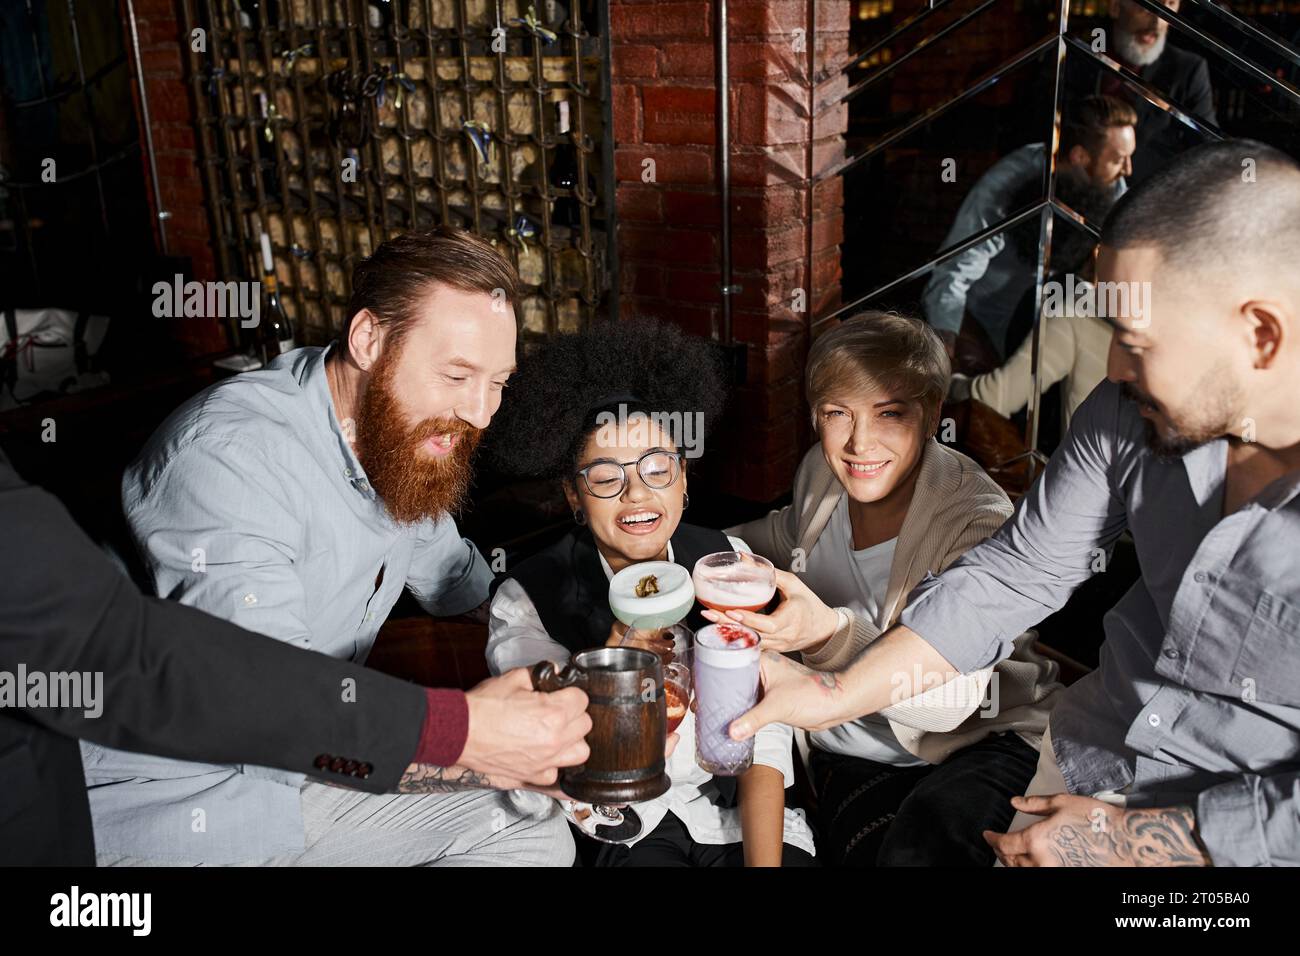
{"points": [[445, 729]]}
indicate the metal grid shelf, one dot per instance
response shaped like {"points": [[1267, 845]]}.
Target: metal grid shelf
{"points": [[419, 112]]}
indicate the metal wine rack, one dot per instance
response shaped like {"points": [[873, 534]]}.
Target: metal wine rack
{"points": [[335, 124]]}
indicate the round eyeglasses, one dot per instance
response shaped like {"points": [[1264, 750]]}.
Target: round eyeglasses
{"points": [[606, 478]]}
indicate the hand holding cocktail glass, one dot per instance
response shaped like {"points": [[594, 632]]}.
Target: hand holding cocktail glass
{"points": [[648, 599], [800, 622], [817, 700], [673, 645], [734, 580]]}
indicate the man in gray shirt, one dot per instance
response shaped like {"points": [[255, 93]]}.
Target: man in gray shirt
{"points": [[1191, 721], [298, 501], [989, 279]]}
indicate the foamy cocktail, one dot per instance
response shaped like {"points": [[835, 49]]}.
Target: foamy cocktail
{"points": [[651, 594], [734, 580], [726, 686]]}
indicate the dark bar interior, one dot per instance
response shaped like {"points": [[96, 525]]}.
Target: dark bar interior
{"points": [[365, 344]]}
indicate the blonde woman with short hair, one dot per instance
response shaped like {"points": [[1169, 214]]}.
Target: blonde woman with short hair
{"points": [[879, 504]]}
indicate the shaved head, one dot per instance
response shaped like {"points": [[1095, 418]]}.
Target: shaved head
{"points": [[1214, 240], [1220, 207]]}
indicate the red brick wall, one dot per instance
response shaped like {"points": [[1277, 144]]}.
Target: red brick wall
{"points": [[663, 103], [163, 49]]}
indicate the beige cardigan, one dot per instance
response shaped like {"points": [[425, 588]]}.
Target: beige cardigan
{"points": [[1073, 348], [955, 506]]}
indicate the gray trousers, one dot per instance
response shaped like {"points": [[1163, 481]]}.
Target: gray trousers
{"points": [[470, 828]]}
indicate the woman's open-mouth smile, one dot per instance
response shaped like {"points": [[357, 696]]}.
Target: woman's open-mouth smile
{"points": [[866, 469], [640, 521]]}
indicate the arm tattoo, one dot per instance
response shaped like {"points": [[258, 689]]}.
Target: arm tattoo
{"points": [[1158, 837], [828, 680], [426, 778]]}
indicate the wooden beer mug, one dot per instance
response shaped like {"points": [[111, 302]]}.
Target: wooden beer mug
{"points": [[625, 700]]}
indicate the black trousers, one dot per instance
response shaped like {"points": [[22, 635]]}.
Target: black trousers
{"points": [[670, 844], [876, 814]]}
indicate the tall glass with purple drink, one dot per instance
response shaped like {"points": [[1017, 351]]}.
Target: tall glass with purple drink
{"points": [[726, 685]]}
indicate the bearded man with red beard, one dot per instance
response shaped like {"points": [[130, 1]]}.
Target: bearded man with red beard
{"points": [[298, 501]]}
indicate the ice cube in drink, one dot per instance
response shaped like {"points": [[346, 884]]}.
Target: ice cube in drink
{"points": [[651, 594], [726, 686]]}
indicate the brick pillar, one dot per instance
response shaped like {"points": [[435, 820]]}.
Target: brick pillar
{"points": [[163, 49], [663, 102]]}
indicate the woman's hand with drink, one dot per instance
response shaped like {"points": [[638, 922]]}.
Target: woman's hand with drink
{"points": [[801, 622], [617, 630]]}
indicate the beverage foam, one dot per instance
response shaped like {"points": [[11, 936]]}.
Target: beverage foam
{"points": [[674, 583], [734, 590], [727, 645]]}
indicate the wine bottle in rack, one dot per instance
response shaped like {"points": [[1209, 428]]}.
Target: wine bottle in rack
{"points": [[382, 14], [259, 14], [554, 13], [563, 175], [264, 151], [275, 331]]}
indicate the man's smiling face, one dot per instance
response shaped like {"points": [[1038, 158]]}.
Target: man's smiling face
{"points": [[1171, 360], [428, 399]]}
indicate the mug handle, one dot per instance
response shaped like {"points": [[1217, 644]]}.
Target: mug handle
{"points": [[548, 678]]}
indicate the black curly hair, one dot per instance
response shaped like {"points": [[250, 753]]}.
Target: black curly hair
{"points": [[552, 404]]}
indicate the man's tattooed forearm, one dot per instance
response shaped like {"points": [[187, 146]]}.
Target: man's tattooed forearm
{"points": [[824, 680], [426, 778], [1159, 837], [827, 679]]}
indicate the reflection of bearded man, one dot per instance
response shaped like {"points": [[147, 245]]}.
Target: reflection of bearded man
{"points": [[1134, 53], [1139, 34], [413, 483]]}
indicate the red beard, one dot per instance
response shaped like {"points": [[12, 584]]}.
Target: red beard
{"points": [[413, 484]]}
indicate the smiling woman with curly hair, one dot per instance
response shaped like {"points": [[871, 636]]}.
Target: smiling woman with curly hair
{"points": [[612, 414]]}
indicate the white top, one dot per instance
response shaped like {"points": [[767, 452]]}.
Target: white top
{"points": [[516, 638], [857, 580]]}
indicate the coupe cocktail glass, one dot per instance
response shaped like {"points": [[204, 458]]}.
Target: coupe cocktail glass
{"points": [[734, 580]]}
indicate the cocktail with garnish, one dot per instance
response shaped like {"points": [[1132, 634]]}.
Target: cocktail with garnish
{"points": [[651, 594], [734, 581], [726, 686]]}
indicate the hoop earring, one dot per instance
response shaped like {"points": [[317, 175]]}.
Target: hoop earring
{"points": [[579, 516], [686, 500]]}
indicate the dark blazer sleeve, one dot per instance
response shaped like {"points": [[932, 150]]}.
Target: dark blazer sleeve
{"points": [[176, 681], [1200, 94]]}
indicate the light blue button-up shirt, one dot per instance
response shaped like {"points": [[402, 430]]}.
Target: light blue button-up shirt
{"points": [[990, 277], [249, 503], [1196, 697]]}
